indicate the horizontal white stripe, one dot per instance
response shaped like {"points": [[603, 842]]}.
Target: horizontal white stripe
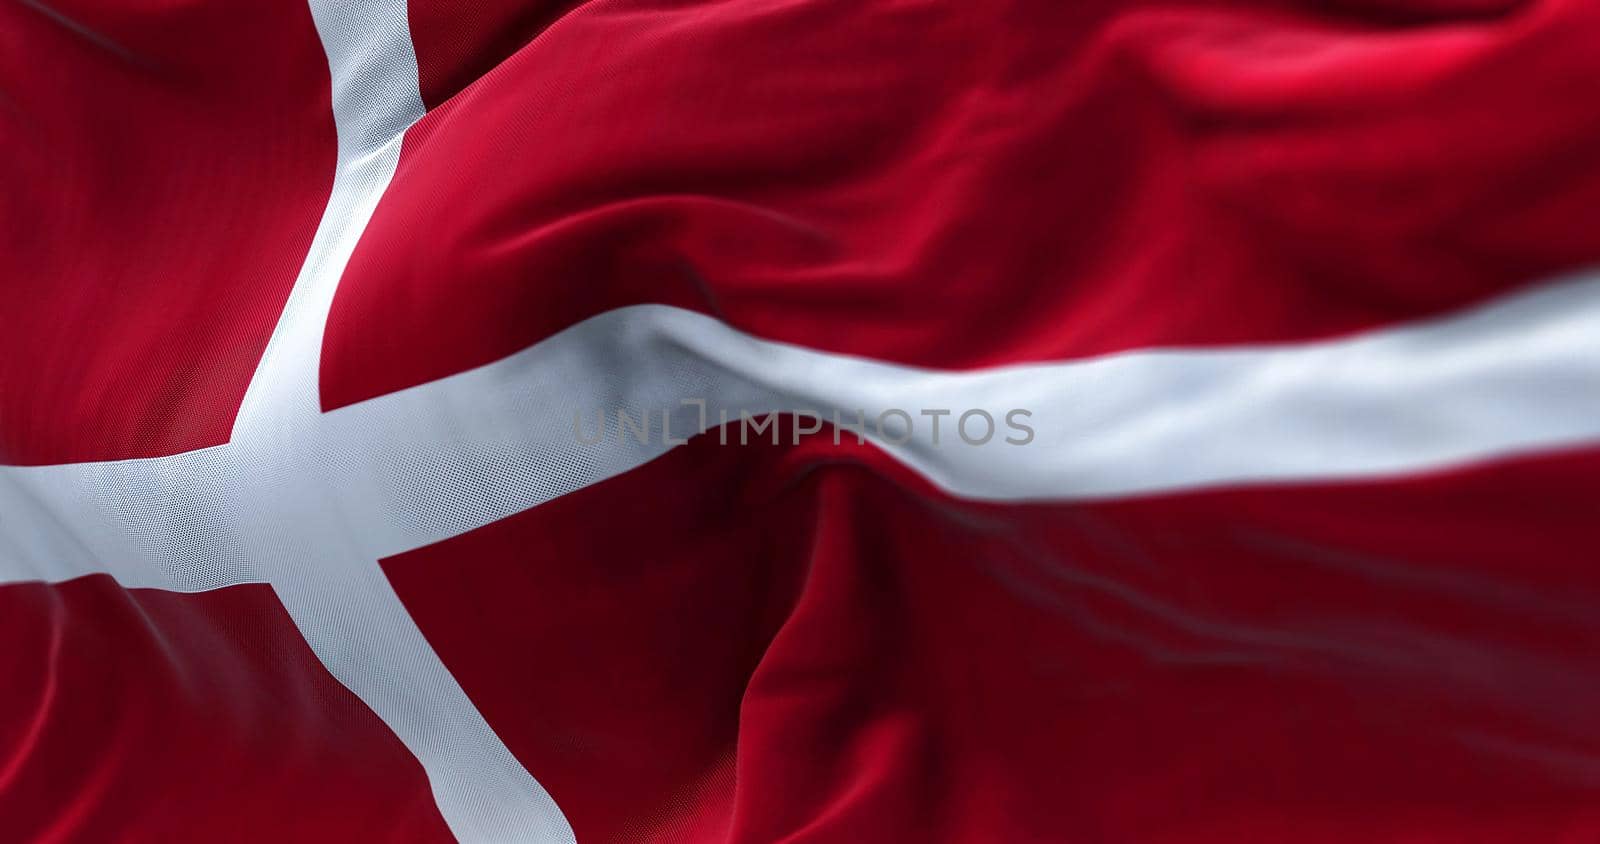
{"points": [[1516, 376], [152, 523]]}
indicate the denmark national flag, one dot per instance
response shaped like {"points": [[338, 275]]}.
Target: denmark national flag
{"points": [[1187, 420]]}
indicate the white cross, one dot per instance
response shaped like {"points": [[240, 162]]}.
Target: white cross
{"points": [[308, 502]]}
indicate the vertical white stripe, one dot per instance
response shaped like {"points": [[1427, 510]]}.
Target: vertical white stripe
{"points": [[375, 99], [321, 564]]}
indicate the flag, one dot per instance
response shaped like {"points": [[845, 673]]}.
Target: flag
{"points": [[799, 420]]}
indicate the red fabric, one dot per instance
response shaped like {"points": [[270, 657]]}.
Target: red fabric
{"points": [[141, 715], [811, 644], [756, 644], [165, 165], [963, 184], [457, 46]]}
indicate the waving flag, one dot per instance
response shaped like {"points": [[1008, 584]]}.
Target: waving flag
{"points": [[800, 420]]}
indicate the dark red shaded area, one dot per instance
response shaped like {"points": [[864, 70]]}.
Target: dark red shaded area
{"points": [[964, 184], [165, 165], [456, 46], [143, 715], [754, 644]]}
